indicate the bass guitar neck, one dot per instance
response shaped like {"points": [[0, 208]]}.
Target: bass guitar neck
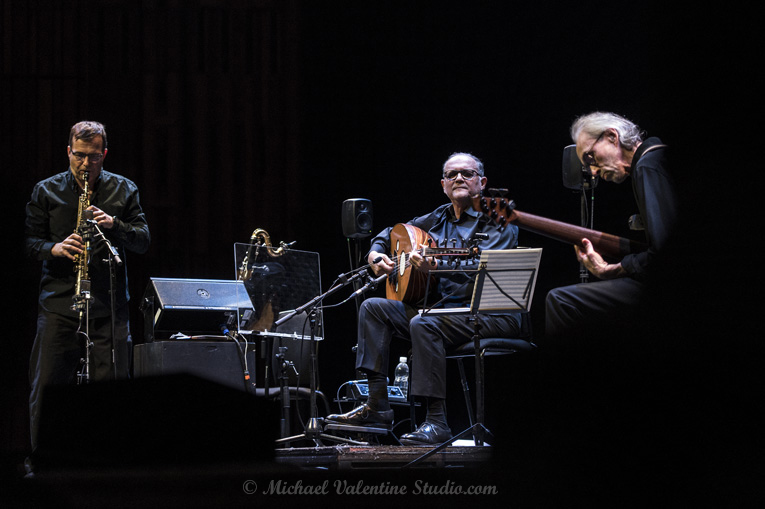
{"points": [[503, 211]]}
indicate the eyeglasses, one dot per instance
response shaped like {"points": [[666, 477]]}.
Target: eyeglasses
{"points": [[466, 174], [588, 158], [93, 158]]}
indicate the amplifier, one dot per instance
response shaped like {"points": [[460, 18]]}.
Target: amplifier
{"points": [[359, 390], [192, 306]]}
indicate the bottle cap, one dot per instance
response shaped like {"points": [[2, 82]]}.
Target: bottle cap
{"points": [[402, 359]]}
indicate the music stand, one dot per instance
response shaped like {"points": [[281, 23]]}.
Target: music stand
{"points": [[511, 276]]}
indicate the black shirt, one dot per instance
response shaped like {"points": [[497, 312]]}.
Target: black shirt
{"points": [[52, 217], [657, 202]]}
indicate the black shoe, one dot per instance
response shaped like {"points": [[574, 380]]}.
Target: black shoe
{"points": [[29, 470], [363, 416], [427, 434]]}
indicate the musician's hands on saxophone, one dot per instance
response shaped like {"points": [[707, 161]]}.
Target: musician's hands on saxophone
{"points": [[73, 245]]}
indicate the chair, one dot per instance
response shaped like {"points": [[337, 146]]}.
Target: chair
{"points": [[487, 347]]}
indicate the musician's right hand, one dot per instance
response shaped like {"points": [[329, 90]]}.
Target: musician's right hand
{"points": [[595, 263], [69, 247], [384, 266]]}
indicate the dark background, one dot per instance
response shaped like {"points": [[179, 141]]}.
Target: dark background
{"points": [[236, 115]]}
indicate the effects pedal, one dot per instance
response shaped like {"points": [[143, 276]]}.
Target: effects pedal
{"points": [[359, 390]]}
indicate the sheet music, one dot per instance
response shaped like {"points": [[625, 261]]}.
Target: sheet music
{"points": [[506, 284], [508, 281]]}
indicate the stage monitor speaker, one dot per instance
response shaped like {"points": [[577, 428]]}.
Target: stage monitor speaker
{"points": [[217, 361], [192, 306], [357, 218], [177, 420]]}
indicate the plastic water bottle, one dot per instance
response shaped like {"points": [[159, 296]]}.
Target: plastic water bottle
{"points": [[401, 376]]}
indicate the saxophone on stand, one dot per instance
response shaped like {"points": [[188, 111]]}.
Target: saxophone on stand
{"points": [[245, 271], [81, 298]]}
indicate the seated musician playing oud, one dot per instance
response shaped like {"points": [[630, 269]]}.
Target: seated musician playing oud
{"points": [[382, 319]]}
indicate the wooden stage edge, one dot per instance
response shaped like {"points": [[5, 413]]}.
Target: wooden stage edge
{"points": [[350, 457]]}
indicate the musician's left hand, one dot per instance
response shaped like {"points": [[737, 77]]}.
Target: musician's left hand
{"points": [[595, 263], [103, 219]]}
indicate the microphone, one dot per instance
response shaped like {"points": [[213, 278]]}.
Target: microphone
{"points": [[109, 245], [575, 175], [371, 283]]}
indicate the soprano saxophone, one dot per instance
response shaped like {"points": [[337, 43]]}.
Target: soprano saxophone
{"points": [[81, 261]]}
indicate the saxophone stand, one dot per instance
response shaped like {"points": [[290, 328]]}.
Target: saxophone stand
{"points": [[314, 428], [284, 389], [82, 304]]}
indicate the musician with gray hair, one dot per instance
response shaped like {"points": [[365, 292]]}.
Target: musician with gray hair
{"points": [[84, 195], [612, 148]]}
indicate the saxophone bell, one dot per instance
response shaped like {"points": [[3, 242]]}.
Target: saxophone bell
{"points": [[264, 240]]}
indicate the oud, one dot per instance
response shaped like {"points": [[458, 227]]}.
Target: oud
{"points": [[408, 285]]}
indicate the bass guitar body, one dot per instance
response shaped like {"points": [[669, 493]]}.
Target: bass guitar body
{"points": [[404, 284]]}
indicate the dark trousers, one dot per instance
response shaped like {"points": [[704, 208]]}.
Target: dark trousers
{"points": [[58, 349], [382, 319], [580, 308]]}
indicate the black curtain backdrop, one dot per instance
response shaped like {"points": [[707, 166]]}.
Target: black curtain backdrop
{"points": [[235, 115]]}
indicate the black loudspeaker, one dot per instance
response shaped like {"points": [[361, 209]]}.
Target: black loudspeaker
{"points": [[217, 361], [575, 175], [176, 420], [192, 306], [357, 218]]}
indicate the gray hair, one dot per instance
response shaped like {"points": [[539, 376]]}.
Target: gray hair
{"points": [[594, 124], [479, 164]]}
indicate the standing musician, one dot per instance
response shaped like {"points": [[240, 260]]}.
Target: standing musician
{"points": [[381, 319], [613, 148], [51, 218]]}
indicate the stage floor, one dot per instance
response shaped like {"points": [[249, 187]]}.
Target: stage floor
{"points": [[351, 457]]}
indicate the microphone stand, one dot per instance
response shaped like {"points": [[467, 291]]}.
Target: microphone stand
{"points": [[314, 427], [112, 259], [588, 182]]}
